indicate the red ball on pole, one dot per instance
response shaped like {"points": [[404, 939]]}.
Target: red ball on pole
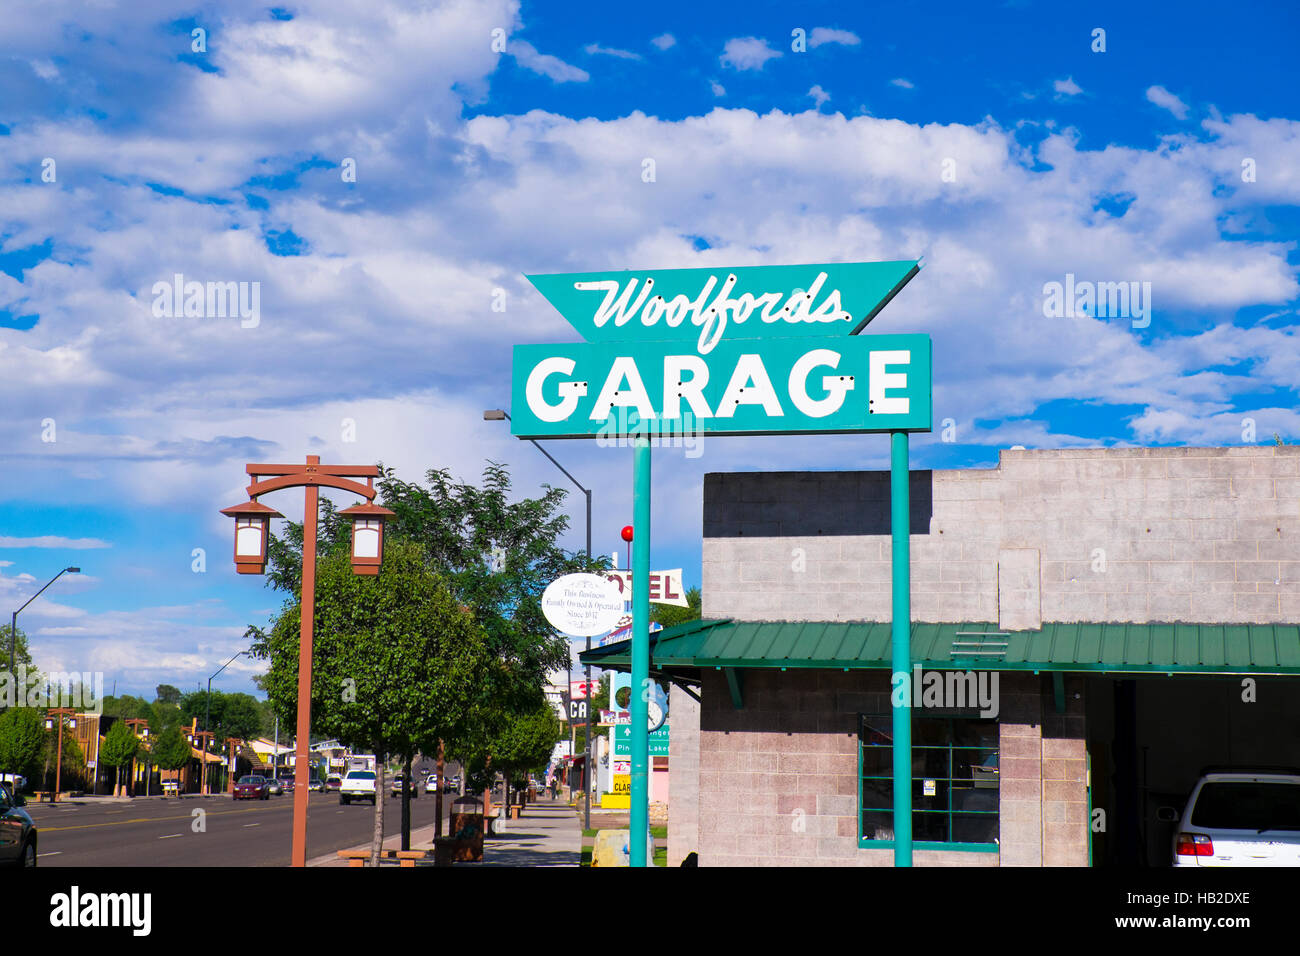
{"points": [[627, 532]]}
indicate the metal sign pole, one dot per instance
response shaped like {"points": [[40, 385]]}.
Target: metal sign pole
{"points": [[639, 818], [900, 527]]}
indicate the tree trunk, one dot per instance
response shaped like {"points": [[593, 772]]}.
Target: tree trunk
{"points": [[437, 803], [377, 838], [406, 804]]}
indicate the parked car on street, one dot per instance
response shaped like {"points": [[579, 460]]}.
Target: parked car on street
{"points": [[333, 782], [17, 831], [1241, 818], [357, 785], [252, 787], [276, 787], [317, 784]]}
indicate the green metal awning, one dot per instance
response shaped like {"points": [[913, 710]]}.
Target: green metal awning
{"points": [[1097, 648]]}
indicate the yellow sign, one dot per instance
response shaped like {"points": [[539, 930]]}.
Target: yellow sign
{"points": [[622, 784]]}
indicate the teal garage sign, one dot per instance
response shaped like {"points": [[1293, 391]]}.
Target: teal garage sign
{"points": [[747, 350], [741, 387]]}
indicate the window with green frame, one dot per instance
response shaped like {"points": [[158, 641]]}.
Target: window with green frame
{"points": [[954, 781]]}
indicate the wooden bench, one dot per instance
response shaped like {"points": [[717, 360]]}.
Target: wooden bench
{"points": [[405, 858], [42, 796]]}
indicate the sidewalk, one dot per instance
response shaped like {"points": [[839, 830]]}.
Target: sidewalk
{"points": [[548, 834]]}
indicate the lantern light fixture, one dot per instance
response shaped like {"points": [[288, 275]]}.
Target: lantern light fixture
{"points": [[252, 526], [367, 536]]}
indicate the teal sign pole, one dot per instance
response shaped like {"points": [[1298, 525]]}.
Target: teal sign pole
{"points": [[900, 527], [639, 710], [744, 350]]}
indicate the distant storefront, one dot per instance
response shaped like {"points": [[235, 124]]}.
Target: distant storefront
{"points": [[1092, 627]]}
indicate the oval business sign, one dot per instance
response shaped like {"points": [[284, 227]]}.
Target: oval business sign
{"points": [[582, 605]]}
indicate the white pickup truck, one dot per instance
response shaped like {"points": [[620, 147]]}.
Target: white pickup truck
{"points": [[358, 785]]}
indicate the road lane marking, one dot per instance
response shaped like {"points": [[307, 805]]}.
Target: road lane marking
{"points": [[247, 825], [51, 853], [170, 836], [118, 823]]}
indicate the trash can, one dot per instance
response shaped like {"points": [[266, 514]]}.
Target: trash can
{"points": [[466, 832]]}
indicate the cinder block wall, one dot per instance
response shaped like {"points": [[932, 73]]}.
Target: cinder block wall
{"points": [[1117, 534], [778, 778]]}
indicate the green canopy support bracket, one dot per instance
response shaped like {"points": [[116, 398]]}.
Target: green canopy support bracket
{"points": [[734, 684]]}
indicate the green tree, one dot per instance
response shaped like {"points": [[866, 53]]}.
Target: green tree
{"points": [[167, 694], [22, 741], [398, 661], [524, 745], [228, 715], [670, 615], [13, 690], [165, 717], [171, 751], [496, 557], [119, 748], [128, 708]]}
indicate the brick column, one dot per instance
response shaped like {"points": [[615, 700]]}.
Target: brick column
{"points": [[1065, 789], [1020, 772], [683, 775]]}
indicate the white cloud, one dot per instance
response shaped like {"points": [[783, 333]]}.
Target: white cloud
{"points": [[747, 53], [822, 35], [551, 67], [663, 41], [1162, 98], [53, 541], [387, 318], [44, 69], [1066, 87], [716, 88], [819, 96], [902, 83], [595, 49]]}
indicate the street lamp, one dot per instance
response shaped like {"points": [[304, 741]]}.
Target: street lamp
{"points": [[55, 715], [367, 536], [207, 703], [201, 740], [367, 552], [500, 414], [252, 521], [230, 764], [13, 622], [140, 727]]}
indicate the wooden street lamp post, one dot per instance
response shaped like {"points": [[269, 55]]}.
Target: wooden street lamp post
{"points": [[202, 739], [55, 715], [252, 521], [140, 727]]}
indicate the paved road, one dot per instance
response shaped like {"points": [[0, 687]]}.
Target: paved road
{"points": [[159, 832]]}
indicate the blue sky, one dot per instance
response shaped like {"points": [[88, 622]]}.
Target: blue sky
{"points": [[994, 142]]}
